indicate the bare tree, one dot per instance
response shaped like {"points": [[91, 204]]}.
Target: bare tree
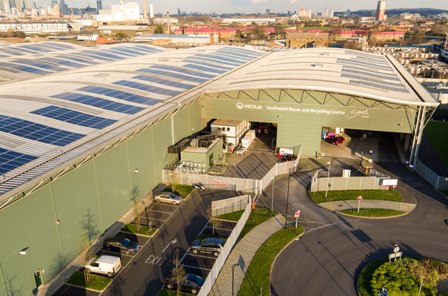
{"points": [[178, 271]]}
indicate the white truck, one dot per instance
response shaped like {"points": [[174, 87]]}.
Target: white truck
{"points": [[105, 264]]}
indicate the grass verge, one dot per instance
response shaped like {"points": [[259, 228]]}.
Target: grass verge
{"points": [[256, 217], [365, 275], [435, 132], [232, 216], [97, 282], [388, 195], [372, 212], [182, 190], [257, 275], [144, 230]]}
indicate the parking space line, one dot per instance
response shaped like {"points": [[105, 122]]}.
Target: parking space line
{"points": [[156, 211], [202, 256], [220, 228], [196, 267], [165, 204], [124, 254]]}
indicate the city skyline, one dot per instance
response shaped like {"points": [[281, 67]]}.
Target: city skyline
{"points": [[259, 6]]}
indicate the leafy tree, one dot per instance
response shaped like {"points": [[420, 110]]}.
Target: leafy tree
{"points": [[158, 29], [258, 33], [121, 36], [239, 35]]}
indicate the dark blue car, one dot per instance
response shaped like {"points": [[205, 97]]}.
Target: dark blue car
{"points": [[191, 283], [122, 244]]}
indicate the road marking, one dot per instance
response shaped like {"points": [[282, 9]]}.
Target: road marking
{"points": [[152, 259], [124, 254], [158, 211], [202, 256], [323, 226]]}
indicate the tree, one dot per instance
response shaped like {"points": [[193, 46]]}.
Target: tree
{"points": [[239, 35], [158, 29], [178, 271], [121, 36], [258, 33]]}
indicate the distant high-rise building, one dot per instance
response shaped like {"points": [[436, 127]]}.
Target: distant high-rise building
{"points": [[380, 10], [145, 10], [304, 13], [64, 7], [19, 6], [268, 11], [178, 12], [151, 10], [99, 5]]}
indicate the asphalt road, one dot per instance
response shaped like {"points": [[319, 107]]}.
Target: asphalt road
{"points": [[327, 259], [144, 274]]}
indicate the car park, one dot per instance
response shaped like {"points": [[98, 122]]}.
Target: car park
{"points": [[105, 264], [191, 283], [122, 244], [209, 245], [168, 197]]}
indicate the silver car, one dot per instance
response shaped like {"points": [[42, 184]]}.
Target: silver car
{"points": [[168, 197]]}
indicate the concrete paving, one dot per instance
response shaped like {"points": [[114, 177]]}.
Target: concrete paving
{"points": [[243, 254], [368, 204]]}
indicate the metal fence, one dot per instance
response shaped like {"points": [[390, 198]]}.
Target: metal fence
{"points": [[436, 181], [210, 181], [350, 183], [229, 205], [230, 242]]}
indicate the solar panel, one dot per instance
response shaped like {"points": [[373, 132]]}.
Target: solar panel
{"points": [[99, 103], [361, 64], [9, 160], [173, 75], [163, 81], [184, 71], [36, 131], [129, 51], [145, 48], [109, 55], [240, 52], [37, 64], [128, 54], [379, 86], [348, 69], [217, 59], [11, 51], [77, 59], [118, 94], [213, 66], [236, 56], [74, 117], [94, 56], [373, 80], [148, 88], [202, 68], [62, 62], [24, 68]]}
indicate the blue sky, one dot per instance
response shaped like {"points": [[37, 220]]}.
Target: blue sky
{"points": [[219, 6]]}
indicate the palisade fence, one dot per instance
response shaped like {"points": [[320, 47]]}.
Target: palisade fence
{"points": [[230, 242], [231, 183], [436, 181], [229, 205], [350, 183]]}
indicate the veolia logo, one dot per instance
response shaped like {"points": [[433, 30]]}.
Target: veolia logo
{"points": [[240, 106]]}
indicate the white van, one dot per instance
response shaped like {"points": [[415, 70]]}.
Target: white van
{"points": [[105, 264]]}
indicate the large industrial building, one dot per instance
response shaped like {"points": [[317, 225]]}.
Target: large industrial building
{"points": [[82, 131]]}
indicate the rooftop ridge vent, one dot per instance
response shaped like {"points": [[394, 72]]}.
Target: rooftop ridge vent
{"points": [[317, 65]]}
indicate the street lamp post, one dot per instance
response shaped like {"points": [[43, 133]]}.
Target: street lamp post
{"points": [[4, 280], [233, 277], [328, 179], [272, 195], [287, 199]]}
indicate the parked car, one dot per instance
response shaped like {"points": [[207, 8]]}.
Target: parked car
{"points": [[198, 186], [168, 197], [105, 264], [191, 283], [209, 245], [337, 140], [123, 244]]}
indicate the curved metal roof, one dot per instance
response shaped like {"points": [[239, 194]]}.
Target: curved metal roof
{"points": [[50, 120], [330, 70]]}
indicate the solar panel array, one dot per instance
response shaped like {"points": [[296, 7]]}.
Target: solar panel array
{"points": [[69, 60], [37, 132], [98, 103], [10, 160], [149, 86], [74, 117]]}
